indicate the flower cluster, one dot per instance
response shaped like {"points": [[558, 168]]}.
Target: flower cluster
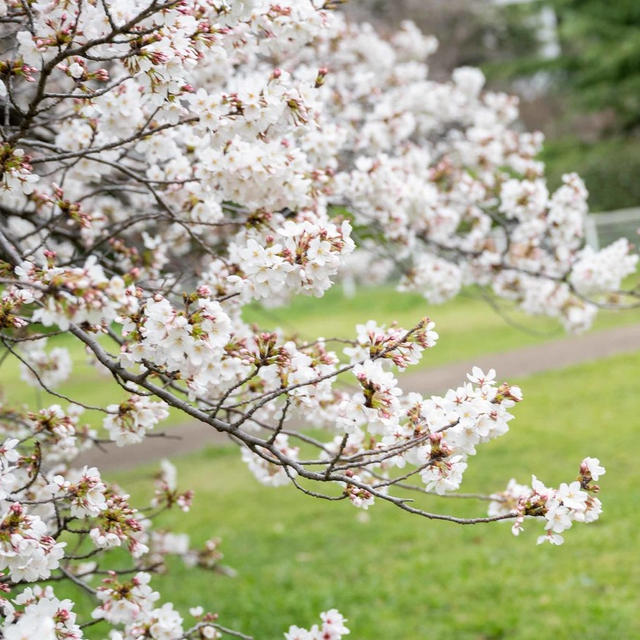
{"points": [[267, 468], [404, 348], [17, 173], [188, 342], [167, 493], [603, 271], [331, 628], [40, 614], [26, 548], [84, 489], [435, 435], [302, 257], [40, 367], [560, 508], [78, 295], [118, 523], [128, 421]]}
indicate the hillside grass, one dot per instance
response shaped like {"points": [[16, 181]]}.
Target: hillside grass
{"points": [[402, 577]]}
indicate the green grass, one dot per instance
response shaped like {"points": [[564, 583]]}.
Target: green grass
{"points": [[468, 327], [402, 577]]}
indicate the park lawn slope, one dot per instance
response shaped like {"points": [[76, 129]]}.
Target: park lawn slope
{"points": [[401, 577]]}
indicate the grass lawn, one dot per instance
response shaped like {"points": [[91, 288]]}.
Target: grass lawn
{"points": [[401, 577], [468, 327]]}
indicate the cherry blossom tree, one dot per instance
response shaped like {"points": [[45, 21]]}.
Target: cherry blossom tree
{"points": [[166, 162]]}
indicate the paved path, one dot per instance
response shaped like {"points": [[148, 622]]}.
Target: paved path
{"points": [[555, 354], [525, 361]]}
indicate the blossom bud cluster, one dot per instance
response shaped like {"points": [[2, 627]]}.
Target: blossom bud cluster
{"points": [[560, 508], [78, 295]]}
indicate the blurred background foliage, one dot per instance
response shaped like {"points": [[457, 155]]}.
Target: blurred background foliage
{"points": [[574, 63]]}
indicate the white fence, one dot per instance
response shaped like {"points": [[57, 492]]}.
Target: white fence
{"points": [[603, 228]]}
